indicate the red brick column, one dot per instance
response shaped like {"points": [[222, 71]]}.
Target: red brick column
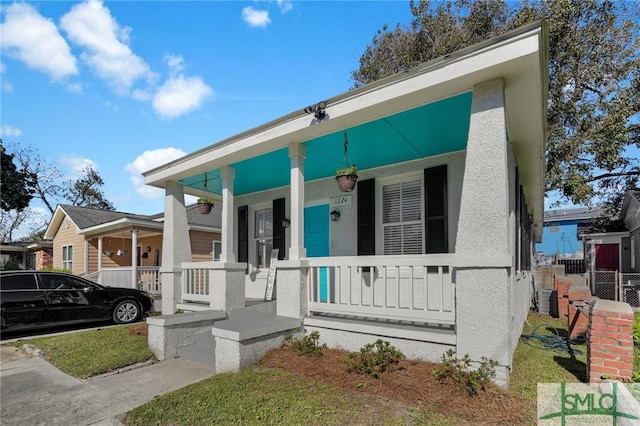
{"points": [[609, 341], [562, 287], [578, 294]]}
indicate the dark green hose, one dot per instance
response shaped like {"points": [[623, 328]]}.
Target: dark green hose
{"points": [[550, 341]]}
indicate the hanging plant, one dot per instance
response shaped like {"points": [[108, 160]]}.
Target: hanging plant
{"points": [[122, 251], [205, 205], [347, 175]]}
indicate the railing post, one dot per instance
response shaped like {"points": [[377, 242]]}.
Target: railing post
{"points": [[227, 285], [291, 285]]}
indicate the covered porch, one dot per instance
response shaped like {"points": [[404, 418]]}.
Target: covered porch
{"points": [[430, 251]]}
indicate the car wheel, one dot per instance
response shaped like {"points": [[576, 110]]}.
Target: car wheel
{"points": [[126, 312]]}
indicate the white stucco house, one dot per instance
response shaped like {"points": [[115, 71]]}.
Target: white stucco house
{"points": [[430, 251]]}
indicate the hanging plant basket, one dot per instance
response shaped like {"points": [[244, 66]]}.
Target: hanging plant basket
{"points": [[347, 175], [205, 208], [108, 253], [346, 183], [205, 205]]}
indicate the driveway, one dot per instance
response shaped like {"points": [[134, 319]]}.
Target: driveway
{"points": [[33, 392]]}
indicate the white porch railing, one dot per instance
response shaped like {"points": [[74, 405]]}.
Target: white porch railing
{"points": [[195, 281], [149, 279], [407, 288], [116, 277]]}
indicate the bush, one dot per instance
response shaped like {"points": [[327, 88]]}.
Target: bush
{"points": [[458, 371], [305, 345], [52, 269], [373, 358]]}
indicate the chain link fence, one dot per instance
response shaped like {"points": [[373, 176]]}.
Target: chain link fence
{"points": [[614, 285], [630, 285]]}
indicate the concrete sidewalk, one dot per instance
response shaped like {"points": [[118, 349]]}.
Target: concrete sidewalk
{"points": [[33, 392]]}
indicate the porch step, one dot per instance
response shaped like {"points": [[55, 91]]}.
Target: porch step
{"points": [[248, 334], [254, 321], [193, 306]]}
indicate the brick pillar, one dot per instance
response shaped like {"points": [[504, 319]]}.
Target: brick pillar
{"points": [[562, 286], [609, 341], [578, 321]]}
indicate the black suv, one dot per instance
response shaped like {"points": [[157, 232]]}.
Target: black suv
{"points": [[32, 299]]}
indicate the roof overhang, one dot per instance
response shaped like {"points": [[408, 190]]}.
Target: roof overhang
{"points": [[520, 58]]}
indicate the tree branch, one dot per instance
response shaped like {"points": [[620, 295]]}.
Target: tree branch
{"points": [[609, 175]]}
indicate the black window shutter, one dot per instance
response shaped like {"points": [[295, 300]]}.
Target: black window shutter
{"points": [[278, 230], [243, 234], [436, 211], [366, 217]]}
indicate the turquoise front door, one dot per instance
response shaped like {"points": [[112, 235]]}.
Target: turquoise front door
{"points": [[316, 239]]}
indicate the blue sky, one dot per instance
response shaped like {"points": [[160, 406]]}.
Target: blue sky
{"points": [[125, 86]]}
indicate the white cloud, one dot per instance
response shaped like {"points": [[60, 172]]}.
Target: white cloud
{"points": [[5, 85], [147, 161], [76, 165], [75, 87], [180, 95], [91, 26], [175, 63], [9, 130], [33, 39], [255, 17], [285, 6]]}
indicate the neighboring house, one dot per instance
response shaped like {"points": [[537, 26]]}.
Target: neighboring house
{"points": [[630, 216], [612, 257], [562, 232], [433, 248], [618, 251], [26, 254], [124, 249]]}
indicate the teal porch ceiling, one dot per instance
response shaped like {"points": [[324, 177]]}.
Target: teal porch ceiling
{"points": [[425, 131]]}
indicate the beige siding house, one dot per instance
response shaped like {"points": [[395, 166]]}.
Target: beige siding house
{"points": [[123, 249]]}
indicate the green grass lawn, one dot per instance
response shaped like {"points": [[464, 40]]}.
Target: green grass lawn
{"points": [[90, 353], [262, 396]]}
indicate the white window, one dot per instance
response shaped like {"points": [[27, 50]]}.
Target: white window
{"points": [[402, 224], [217, 249], [67, 257], [263, 237]]}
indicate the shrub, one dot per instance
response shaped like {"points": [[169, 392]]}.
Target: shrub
{"points": [[636, 330], [52, 269], [373, 358], [306, 345], [458, 371]]}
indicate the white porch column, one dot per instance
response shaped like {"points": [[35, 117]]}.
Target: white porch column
{"points": [[134, 258], [483, 295], [99, 260], [176, 246], [228, 225], [297, 153]]}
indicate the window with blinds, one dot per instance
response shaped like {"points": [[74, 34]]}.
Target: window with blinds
{"points": [[402, 218], [263, 237]]}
